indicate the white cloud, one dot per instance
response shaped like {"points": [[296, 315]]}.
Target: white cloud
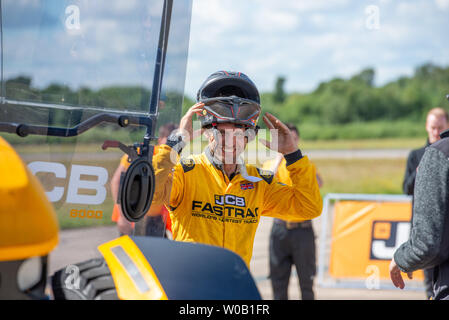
{"points": [[417, 9], [307, 41], [391, 73], [267, 20], [442, 4], [323, 41], [307, 6], [123, 6], [312, 41], [393, 33], [318, 20], [28, 3], [214, 13]]}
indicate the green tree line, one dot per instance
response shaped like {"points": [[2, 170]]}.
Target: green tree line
{"points": [[84, 103], [355, 108], [343, 101], [340, 108]]}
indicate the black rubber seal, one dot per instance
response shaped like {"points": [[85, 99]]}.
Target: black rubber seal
{"points": [[137, 190]]}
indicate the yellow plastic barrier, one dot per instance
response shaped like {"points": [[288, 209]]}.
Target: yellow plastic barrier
{"points": [[365, 235]]}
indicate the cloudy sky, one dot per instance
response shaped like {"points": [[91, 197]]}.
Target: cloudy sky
{"points": [[113, 42], [313, 41], [94, 44]]}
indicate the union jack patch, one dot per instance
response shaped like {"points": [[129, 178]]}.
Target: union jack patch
{"points": [[246, 186]]}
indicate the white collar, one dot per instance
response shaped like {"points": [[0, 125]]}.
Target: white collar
{"points": [[241, 167]]}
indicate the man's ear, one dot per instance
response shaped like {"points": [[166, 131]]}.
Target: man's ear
{"points": [[208, 133], [250, 135]]}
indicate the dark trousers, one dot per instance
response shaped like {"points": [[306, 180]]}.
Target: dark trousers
{"points": [[292, 247], [155, 226], [428, 282]]}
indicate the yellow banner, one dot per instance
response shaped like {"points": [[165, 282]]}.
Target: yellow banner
{"points": [[365, 236]]}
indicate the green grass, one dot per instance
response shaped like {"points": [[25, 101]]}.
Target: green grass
{"points": [[309, 132], [399, 143], [362, 144], [390, 143], [363, 130], [380, 176]]}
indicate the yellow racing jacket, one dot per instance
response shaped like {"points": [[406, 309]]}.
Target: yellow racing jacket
{"points": [[282, 174], [206, 207]]}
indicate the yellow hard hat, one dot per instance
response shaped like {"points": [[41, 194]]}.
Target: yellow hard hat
{"points": [[28, 223]]}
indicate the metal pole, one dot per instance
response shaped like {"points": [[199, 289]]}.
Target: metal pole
{"points": [[140, 226]]}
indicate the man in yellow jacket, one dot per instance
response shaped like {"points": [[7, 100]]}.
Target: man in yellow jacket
{"points": [[214, 198], [292, 242]]}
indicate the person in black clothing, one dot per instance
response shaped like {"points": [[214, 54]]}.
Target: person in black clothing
{"points": [[413, 160], [428, 245], [436, 122], [292, 243]]}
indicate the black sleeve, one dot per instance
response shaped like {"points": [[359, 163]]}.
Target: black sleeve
{"points": [[429, 239], [292, 157], [410, 174]]}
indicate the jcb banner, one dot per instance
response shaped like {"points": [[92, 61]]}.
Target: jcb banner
{"points": [[365, 236]]}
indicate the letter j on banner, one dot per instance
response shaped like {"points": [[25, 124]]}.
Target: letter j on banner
{"points": [[366, 234]]}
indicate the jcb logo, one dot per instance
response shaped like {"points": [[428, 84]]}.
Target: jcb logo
{"points": [[230, 200], [386, 237], [77, 182]]}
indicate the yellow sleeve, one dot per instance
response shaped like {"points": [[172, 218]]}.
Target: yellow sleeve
{"points": [[301, 201], [169, 176], [267, 164], [124, 161]]}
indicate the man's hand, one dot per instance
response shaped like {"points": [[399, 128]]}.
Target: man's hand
{"points": [[396, 277], [286, 143], [185, 125], [124, 226]]}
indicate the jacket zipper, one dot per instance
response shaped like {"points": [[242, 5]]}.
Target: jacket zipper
{"points": [[224, 224], [224, 217]]}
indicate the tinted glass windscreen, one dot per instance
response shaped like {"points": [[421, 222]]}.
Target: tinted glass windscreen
{"points": [[64, 62], [89, 54]]}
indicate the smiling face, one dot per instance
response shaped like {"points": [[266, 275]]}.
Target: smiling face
{"points": [[227, 142]]}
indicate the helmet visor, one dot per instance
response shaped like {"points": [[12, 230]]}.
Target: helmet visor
{"points": [[234, 109]]}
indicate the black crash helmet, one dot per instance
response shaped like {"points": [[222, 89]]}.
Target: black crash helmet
{"points": [[229, 97]]}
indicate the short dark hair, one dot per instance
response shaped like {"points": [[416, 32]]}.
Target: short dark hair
{"points": [[293, 127]]}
